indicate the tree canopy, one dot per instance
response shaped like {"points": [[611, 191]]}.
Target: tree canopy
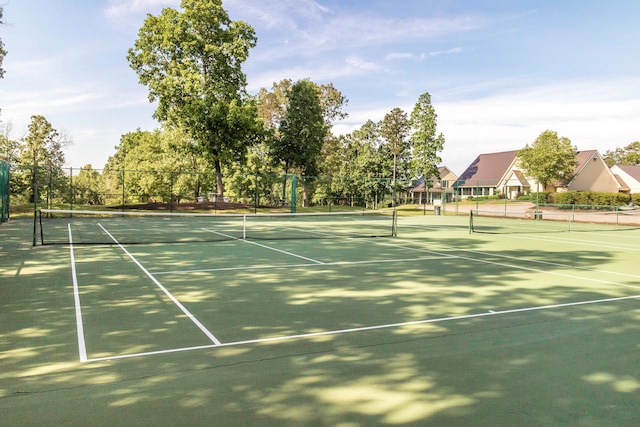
{"points": [[395, 129], [549, 159], [43, 145], [3, 52], [629, 155], [425, 143], [302, 130], [191, 63]]}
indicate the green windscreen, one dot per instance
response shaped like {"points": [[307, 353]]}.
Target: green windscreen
{"points": [[100, 227], [4, 191]]}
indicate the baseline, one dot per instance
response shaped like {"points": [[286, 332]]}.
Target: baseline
{"points": [[367, 328]]}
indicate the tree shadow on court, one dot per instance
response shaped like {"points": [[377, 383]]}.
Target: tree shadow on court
{"points": [[561, 365]]}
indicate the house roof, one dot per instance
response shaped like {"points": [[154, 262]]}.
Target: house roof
{"points": [[583, 157], [487, 169], [520, 176], [632, 170], [420, 182], [623, 185]]}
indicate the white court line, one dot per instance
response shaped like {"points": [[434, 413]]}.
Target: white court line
{"points": [[264, 246], [366, 328], [519, 267], [592, 243], [555, 264], [165, 290], [328, 264], [82, 348]]}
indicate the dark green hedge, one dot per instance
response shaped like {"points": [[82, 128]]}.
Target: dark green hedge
{"points": [[584, 198], [591, 198]]}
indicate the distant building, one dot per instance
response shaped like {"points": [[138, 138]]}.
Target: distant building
{"points": [[500, 174], [434, 190]]}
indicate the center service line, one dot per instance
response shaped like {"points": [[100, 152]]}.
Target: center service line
{"points": [[166, 291], [82, 348], [264, 246]]}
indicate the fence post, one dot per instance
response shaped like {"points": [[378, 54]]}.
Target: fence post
{"points": [[171, 191], [71, 188], [293, 193], [122, 203]]}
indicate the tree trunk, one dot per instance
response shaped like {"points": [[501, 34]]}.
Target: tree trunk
{"points": [[219, 183], [305, 196]]}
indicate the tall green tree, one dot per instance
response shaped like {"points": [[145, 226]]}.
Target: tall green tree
{"points": [[302, 132], [191, 63], [9, 148], [156, 166], [42, 148], [425, 144], [272, 104], [3, 52], [629, 155], [367, 163], [43, 145], [88, 186], [395, 130], [550, 159]]}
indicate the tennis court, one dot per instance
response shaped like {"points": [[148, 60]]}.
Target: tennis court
{"points": [[425, 324]]}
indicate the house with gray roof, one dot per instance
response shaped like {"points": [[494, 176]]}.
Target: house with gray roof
{"points": [[500, 174]]}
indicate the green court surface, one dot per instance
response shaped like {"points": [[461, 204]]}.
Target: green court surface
{"points": [[436, 326]]}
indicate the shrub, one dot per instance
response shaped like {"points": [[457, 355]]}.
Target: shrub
{"points": [[587, 198]]}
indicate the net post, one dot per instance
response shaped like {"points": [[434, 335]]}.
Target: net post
{"points": [[470, 221], [41, 232], [244, 227], [394, 223], [35, 220]]}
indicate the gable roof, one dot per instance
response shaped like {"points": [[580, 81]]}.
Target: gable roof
{"points": [[487, 169], [442, 171], [583, 158], [621, 183], [632, 170], [520, 177]]}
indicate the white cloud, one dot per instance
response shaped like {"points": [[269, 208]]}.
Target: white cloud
{"points": [[445, 52], [123, 9], [400, 55], [421, 56], [281, 14], [580, 111], [592, 114], [325, 72], [361, 64]]}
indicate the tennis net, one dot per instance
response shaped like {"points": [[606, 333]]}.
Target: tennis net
{"points": [[534, 221], [100, 227]]}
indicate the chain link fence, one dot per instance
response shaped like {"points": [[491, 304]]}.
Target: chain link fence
{"points": [[125, 189]]}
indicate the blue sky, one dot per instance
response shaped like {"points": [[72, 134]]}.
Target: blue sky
{"points": [[500, 72]]}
